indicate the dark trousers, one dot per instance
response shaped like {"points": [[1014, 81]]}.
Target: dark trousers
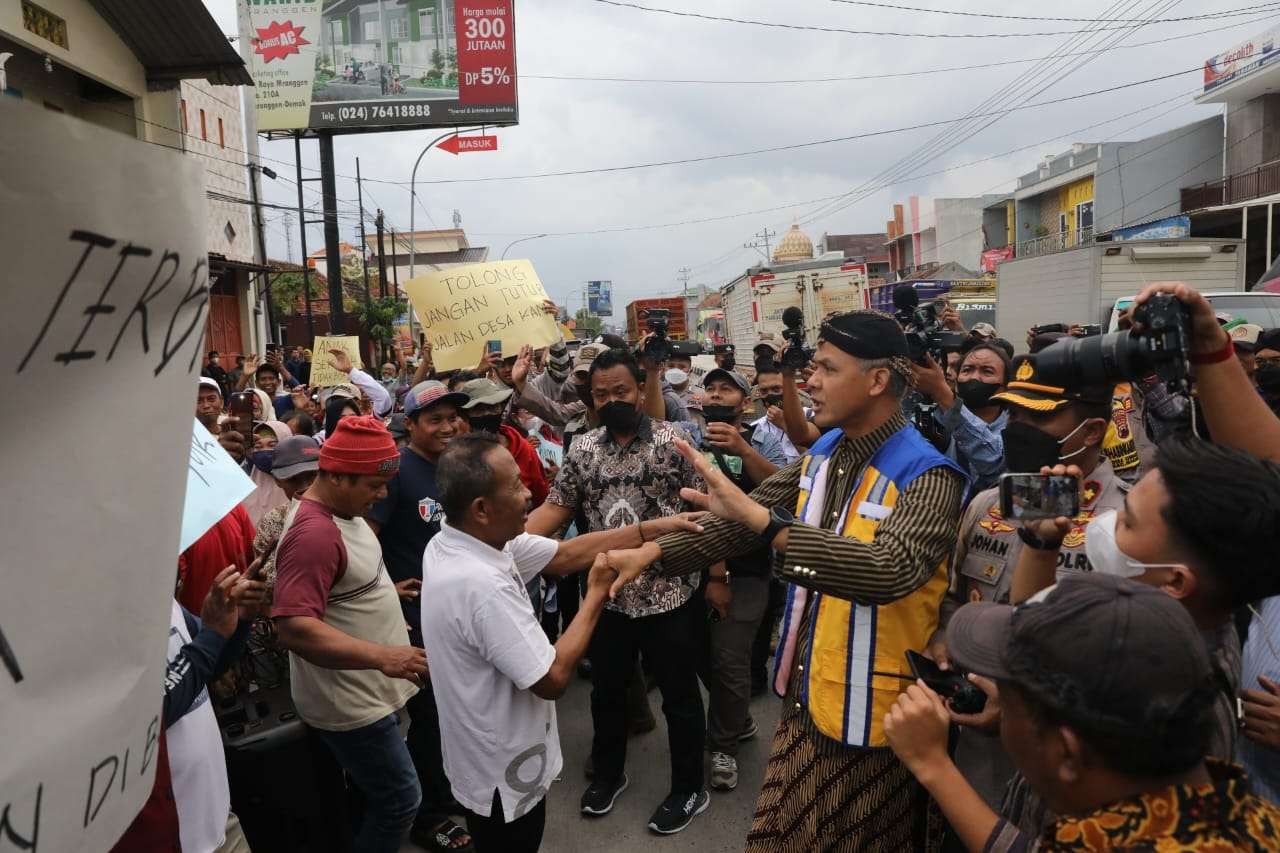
{"points": [[492, 835], [424, 748], [726, 668], [671, 643], [764, 634]]}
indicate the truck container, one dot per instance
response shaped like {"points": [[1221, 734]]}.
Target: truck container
{"points": [[1082, 285], [638, 311], [753, 303], [973, 298]]}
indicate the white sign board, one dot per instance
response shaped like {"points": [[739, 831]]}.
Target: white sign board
{"points": [[215, 484], [105, 295]]}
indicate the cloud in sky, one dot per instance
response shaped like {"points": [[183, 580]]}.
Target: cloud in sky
{"points": [[567, 125]]}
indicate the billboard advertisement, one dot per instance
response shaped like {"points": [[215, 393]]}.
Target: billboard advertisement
{"points": [[600, 298], [1171, 228], [1241, 61], [352, 65]]}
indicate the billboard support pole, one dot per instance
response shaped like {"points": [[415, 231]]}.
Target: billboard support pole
{"points": [[333, 257], [302, 235]]}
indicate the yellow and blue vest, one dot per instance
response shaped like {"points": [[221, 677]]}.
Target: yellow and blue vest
{"points": [[849, 643]]}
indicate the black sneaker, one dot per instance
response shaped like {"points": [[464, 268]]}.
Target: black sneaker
{"points": [[599, 798], [677, 811]]}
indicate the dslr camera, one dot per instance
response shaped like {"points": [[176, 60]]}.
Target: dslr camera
{"points": [[796, 356], [1157, 345], [658, 346], [925, 334]]}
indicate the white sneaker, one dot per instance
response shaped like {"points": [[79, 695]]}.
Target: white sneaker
{"points": [[724, 771]]}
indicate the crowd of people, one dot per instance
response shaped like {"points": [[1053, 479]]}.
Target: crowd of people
{"points": [[438, 553]]}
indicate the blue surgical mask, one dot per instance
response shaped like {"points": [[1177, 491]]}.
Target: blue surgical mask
{"points": [[262, 460]]}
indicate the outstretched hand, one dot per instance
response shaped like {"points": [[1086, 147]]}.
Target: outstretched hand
{"points": [[722, 497], [340, 362]]}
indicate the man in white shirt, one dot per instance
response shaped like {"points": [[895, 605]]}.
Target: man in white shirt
{"points": [[494, 673]]}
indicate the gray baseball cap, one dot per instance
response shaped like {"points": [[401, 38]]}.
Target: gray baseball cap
{"points": [[484, 392], [1100, 649], [296, 455], [731, 375]]}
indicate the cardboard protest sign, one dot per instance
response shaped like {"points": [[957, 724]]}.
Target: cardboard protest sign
{"points": [[215, 484], [324, 376], [104, 309], [462, 307]]}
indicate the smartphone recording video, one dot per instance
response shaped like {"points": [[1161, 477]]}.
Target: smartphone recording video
{"points": [[1031, 497]]}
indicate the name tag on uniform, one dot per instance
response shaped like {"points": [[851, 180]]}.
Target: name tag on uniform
{"points": [[876, 511]]}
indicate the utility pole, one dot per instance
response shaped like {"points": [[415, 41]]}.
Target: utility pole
{"points": [[302, 239], [260, 250], [395, 270], [763, 237], [380, 224], [287, 222], [364, 246], [683, 275], [333, 256]]}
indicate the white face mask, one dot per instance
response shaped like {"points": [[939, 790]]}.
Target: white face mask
{"points": [[533, 425], [1105, 556]]}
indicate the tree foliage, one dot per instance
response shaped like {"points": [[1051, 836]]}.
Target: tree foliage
{"points": [[588, 321]]}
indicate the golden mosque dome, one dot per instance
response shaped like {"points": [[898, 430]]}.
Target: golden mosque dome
{"points": [[794, 246]]}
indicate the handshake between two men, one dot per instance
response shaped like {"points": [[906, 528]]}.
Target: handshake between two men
{"points": [[722, 498]]}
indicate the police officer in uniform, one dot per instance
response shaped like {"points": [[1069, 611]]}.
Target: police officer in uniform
{"points": [[1047, 425]]}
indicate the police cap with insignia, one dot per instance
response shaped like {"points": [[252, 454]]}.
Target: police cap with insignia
{"points": [[1027, 391]]}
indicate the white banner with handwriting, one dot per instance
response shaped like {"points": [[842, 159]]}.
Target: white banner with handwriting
{"points": [[105, 299]]}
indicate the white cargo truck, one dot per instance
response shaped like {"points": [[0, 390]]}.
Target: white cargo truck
{"points": [[1081, 285], [754, 301]]}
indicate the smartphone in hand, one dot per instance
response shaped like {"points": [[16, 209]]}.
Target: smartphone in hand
{"points": [[241, 408], [493, 347], [1030, 497]]}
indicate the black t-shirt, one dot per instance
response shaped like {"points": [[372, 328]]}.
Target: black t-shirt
{"points": [[757, 563], [410, 515]]}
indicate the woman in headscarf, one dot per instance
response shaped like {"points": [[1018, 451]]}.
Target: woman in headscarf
{"points": [[267, 495], [335, 409]]}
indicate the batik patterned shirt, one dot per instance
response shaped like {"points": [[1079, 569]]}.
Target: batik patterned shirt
{"points": [[615, 486]]}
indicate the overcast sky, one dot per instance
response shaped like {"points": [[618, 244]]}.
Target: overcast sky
{"points": [[580, 125]]}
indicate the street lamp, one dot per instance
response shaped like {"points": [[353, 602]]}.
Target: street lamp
{"points": [[521, 240]]}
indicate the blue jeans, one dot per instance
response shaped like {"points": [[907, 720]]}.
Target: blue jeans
{"points": [[376, 758]]}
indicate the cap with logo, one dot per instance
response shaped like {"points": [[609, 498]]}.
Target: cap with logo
{"points": [[429, 393], [586, 354], [484, 392], [723, 349], [1156, 665], [1244, 335], [1028, 391], [296, 455], [733, 376]]}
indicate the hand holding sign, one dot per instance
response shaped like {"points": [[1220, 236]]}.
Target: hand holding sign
{"points": [[324, 372], [462, 307], [340, 361]]}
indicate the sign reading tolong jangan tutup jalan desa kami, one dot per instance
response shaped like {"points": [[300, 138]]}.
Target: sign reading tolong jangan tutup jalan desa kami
{"points": [[352, 65]]}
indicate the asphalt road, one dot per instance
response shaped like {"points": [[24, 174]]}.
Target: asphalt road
{"points": [[722, 827]]}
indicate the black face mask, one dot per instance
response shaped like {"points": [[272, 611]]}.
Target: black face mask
{"points": [[772, 400], [618, 416], [1268, 379], [1027, 449], [716, 414], [485, 423], [728, 363], [975, 393]]}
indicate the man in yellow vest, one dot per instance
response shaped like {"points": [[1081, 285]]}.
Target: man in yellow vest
{"points": [[876, 512]]}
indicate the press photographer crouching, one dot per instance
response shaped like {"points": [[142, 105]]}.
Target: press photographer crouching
{"points": [[1106, 698]]}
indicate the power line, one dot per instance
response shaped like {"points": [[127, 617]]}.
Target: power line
{"points": [[882, 33], [793, 146], [1246, 10]]}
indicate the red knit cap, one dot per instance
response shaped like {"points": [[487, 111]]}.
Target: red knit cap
{"points": [[360, 445]]}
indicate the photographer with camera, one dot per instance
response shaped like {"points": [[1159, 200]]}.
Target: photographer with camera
{"points": [[1047, 426], [971, 416], [797, 419]]}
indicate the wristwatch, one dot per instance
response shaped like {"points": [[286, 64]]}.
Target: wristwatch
{"points": [[1035, 542], [779, 520]]}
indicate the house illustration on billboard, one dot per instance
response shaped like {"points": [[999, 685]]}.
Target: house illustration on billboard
{"points": [[405, 48]]}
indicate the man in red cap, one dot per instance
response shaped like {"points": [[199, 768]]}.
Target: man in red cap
{"points": [[351, 667]]}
